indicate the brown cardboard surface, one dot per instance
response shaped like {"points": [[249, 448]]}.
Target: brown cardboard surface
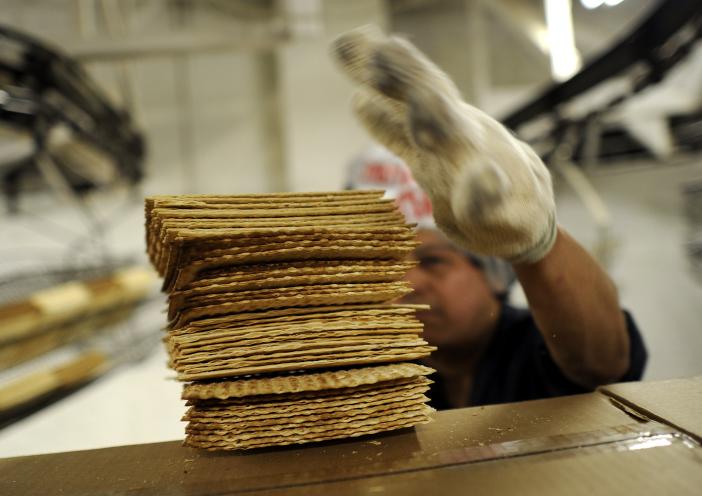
{"points": [[676, 402], [674, 469], [169, 468]]}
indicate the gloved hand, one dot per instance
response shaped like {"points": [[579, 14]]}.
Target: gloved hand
{"points": [[491, 194]]}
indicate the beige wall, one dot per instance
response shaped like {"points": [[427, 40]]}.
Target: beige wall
{"points": [[319, 130], [649, 263]]}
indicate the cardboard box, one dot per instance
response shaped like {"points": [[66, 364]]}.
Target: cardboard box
{"points": [[635, 438]]}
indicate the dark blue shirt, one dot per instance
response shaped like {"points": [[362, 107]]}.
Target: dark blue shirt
{"points": [[517, 366]]}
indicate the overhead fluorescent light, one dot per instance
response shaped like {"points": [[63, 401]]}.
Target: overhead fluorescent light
{"points": [[593, 4], [565, 60]]}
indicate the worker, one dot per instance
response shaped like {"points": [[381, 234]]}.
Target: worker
{"points": [[491, 198]]}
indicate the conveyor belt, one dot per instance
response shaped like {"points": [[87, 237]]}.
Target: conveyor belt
{"points": [[659, 42]]}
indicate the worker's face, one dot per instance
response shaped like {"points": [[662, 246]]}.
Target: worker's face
{"points": [[463, 307]]}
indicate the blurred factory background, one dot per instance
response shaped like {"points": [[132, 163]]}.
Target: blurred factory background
{"points": [[105, 101]]}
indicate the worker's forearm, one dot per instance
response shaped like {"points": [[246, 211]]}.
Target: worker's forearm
{"points": [[576, 307]]}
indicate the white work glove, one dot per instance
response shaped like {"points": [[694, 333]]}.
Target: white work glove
{"points": [[491, 194]]}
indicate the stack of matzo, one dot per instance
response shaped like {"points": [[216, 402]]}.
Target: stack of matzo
{"points": [[263, 290]]}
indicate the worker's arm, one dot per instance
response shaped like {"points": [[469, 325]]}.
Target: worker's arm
{"points": [[491, 194], [576, 308]]}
